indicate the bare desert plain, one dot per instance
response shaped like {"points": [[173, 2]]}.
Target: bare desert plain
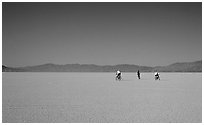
{"points": [[97, 97]]}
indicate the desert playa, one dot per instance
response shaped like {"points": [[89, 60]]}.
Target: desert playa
{"points": [[97, 97]]}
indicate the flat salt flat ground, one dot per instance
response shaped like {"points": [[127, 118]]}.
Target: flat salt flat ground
{"points": [[97, 97]]}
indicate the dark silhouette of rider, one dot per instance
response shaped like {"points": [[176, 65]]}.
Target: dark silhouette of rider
{"points": [[138, 74]]}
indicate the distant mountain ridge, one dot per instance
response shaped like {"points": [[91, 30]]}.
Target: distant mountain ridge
{"points": [[182, 67], [176, 67]]}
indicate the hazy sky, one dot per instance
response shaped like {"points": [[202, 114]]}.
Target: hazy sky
{"points": [[148, 34]]}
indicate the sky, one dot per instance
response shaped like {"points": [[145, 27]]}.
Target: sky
{"points": [[147, 34]]}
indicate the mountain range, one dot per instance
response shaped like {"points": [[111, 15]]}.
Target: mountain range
{"points": [[176, 67]]}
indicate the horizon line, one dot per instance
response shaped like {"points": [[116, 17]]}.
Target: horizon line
{"points": [[96, 64]]}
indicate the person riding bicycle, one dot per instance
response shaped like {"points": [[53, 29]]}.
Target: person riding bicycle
{"points": [[118, 75], [156, 74]]}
